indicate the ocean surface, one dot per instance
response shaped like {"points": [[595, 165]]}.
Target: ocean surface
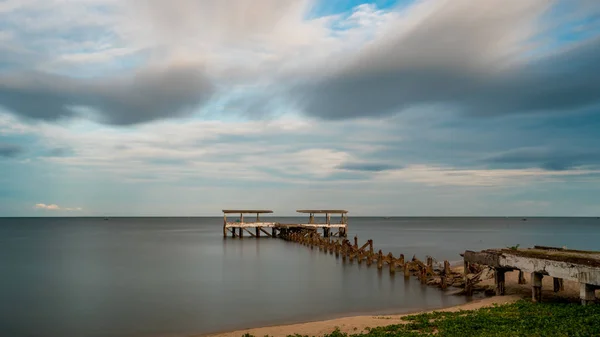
{"points": [[146, 277]]}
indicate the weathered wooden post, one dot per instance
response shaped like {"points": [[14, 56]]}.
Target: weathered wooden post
{"points": [[392, 263], [379, 260], [273, 232], [406, 269], [401, 260], [536, 285], [225, 225], [429, 265], [444, 275], [499, 279]]}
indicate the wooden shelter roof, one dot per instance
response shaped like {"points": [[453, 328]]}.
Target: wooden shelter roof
{"points": [[246, 211], [323, 211]]}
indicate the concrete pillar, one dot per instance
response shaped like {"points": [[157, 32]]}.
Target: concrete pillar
{"points": [[521, 278], [587, 293], [536, 287], [499, 278]]}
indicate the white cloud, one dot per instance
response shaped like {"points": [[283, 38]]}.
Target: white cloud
{"points": [[54, 207], [448, 176]]}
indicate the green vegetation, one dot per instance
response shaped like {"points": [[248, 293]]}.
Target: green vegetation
{"points": [[514, 247], [522, 318]]}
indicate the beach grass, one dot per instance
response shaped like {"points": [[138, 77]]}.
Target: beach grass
{"points": [[522, 318]]}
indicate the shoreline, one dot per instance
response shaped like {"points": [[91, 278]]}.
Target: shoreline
{"points": [[359, 323], [354, 323]]}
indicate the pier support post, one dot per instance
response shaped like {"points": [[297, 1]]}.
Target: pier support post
{"points": [[429, 265], [241, 232], [587, 293], [257, 232], [273, 232], [558, 284], [406, 269], [499, 278], [536, 287], [379, 260]]}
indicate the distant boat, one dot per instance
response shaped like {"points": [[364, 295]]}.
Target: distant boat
{"points": [[105, 219], [524, 219]]}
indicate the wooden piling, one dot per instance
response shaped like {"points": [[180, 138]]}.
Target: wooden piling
{"points": [[379, 260], [392, 263]]}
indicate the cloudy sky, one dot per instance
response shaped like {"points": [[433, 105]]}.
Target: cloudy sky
{"points": [[405, 107]]}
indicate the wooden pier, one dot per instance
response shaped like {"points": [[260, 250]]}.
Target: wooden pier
{"points": [[559, 263], [334, 241], [255, 227]]}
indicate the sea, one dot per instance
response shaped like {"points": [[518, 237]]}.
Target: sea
{"points": [[159, 277]]}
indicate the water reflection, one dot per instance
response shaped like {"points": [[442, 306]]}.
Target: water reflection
{"points": [[160, 276]]}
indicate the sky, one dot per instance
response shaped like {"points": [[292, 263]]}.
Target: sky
{"points": [[389, 107]]}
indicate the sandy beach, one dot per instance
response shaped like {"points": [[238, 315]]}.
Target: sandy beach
{"points": [[357, 324]]}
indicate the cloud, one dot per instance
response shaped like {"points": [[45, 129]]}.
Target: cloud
{"points": [[478, 58], [553, 159], [367, 167], [10, 150], [54, 207], [150, 94]]}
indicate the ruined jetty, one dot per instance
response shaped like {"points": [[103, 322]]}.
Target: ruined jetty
{"points": [[253, 225], [558, 263], [333, 240]]}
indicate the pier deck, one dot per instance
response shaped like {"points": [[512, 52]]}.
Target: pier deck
{"points": [[258, 227], [559, 263]]}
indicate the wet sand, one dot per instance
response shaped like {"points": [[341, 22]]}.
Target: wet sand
{"points": [[357, 324]]}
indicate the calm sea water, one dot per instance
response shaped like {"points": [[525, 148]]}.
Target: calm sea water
{"points": [[178, 277]]}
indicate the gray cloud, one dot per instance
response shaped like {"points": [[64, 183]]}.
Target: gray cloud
{"points": [[10, 150], [463, 57], [147, 95], [367, 167], [546, 158]]}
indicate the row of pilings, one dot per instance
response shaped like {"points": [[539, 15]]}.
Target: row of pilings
{"points": [[426, 272]]}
